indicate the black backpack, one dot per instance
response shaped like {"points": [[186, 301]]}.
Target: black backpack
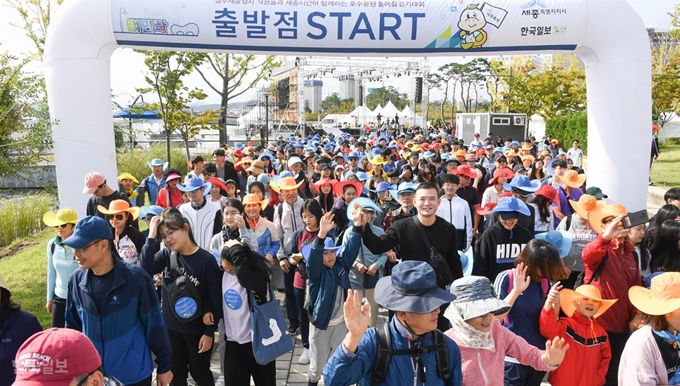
{"points": [[185, 301], [385, 352], [596, 274]]}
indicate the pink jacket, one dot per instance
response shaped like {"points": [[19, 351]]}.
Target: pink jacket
{"points": [[641, 361], [487, 368]]}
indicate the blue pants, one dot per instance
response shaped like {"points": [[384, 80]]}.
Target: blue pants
{"points": [[520, 375]]}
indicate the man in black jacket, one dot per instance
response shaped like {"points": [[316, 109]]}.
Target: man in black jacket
{"points": [[405, 234], [225, 169]]}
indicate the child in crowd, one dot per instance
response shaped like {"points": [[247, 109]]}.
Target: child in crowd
{"points": [[328, 285], [587, 362]]}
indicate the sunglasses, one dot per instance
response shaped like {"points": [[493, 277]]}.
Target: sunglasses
{"points": [[118, 217], [62, 225]]}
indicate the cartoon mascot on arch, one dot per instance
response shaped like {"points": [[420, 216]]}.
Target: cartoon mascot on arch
{"points": [[471, 24]]}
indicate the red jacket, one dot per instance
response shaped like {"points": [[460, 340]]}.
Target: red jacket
{"points": [[167, 196], [619, 273], [587, 359]]}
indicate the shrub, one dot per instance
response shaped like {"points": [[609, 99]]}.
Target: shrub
{"points": [[135, 162], [568, 127], [22, 216]]}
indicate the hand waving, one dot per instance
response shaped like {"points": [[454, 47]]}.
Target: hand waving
{"points": [[554, 351], [326, 224], [521, 280], [356, 315]]}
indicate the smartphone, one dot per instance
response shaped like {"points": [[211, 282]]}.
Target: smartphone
{"points": [[634, 219]]}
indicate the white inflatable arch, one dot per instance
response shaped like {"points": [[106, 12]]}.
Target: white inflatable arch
{"points": [[607, 34]]}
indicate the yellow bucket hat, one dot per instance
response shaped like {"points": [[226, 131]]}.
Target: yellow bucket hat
{"points": [[127, 176], [63, 216]]}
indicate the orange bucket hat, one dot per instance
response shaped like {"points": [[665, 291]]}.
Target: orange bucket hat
{"points": [[595, 217], [254, 199], [568, 297], [572, 179], [585, 204], [119, 206], [286, 183], [663, 297]]}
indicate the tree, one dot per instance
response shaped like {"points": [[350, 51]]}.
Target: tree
{"points": [[35, 16], [166, 69], [666, 74], [25, 126], [238, 74], [331, 102], [386, 94], [188, 123]]}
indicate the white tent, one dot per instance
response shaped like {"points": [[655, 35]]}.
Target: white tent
{"points": [[256, 116], [408, 117], [362, 114], [378, 110], [389, 111]]}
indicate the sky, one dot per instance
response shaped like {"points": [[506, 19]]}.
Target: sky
{"points": [[127, 67]]}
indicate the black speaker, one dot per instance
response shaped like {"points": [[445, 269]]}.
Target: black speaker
{"points": [[283, 93], [361, 95], [419, 89]]}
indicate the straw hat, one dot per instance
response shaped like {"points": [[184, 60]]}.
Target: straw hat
{"points": [[254, 199], [244, 160], [257, 165], [568, 296], [572, 179], [285, 183], [63, 216], [595, 217], [585, 204], [119, 206], [662, 298]]}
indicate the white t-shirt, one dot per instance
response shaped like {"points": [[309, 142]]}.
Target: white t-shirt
{"points": [[235, 309], [575, 155]]}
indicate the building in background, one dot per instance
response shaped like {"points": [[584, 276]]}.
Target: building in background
{"points": [[313, 94], [347, 87]]}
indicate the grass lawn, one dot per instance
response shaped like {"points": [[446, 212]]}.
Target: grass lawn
{"points": [[666, 170], [26, 273]]}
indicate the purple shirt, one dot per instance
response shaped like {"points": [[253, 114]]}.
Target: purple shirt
{"points": [[564, 205]]}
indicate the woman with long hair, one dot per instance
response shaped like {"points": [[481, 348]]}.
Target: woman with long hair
{"points": [[60, 263], [268, 160], [218, 191], [127, 240], [325, 195], [665, 213], [665, 250], [244, 271], [235, 227], [190, 337], [536, 266], [542, 202], [345, 192], [427, 173], [537, 172]]}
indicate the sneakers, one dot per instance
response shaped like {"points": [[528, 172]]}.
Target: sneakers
{"points": [[219, 381], [304, 358]]}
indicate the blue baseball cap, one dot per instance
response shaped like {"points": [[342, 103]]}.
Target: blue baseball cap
{"points": [[87, 230]]}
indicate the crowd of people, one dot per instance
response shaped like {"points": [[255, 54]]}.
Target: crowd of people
{"points": [[496, 265]]}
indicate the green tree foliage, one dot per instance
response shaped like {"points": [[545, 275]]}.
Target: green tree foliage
{"points": [[385, 94], [35, 18], [551, 89], [25, 126], [165, 74], [134, 162], [568, 127], [666, 74], [236, 74]]}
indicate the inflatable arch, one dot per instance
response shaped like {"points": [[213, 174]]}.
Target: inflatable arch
{"points": [[607, 34]]}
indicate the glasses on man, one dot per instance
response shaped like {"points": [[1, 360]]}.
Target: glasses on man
{"points": [[118, 217], [79, 251]]}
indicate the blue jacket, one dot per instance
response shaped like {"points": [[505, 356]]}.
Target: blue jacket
{"points": [[324, 281], [347, 369], [130, 327], [15, 327], [149, 185]]}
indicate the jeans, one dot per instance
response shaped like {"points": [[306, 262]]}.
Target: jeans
{"points": [[291, 306]]}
